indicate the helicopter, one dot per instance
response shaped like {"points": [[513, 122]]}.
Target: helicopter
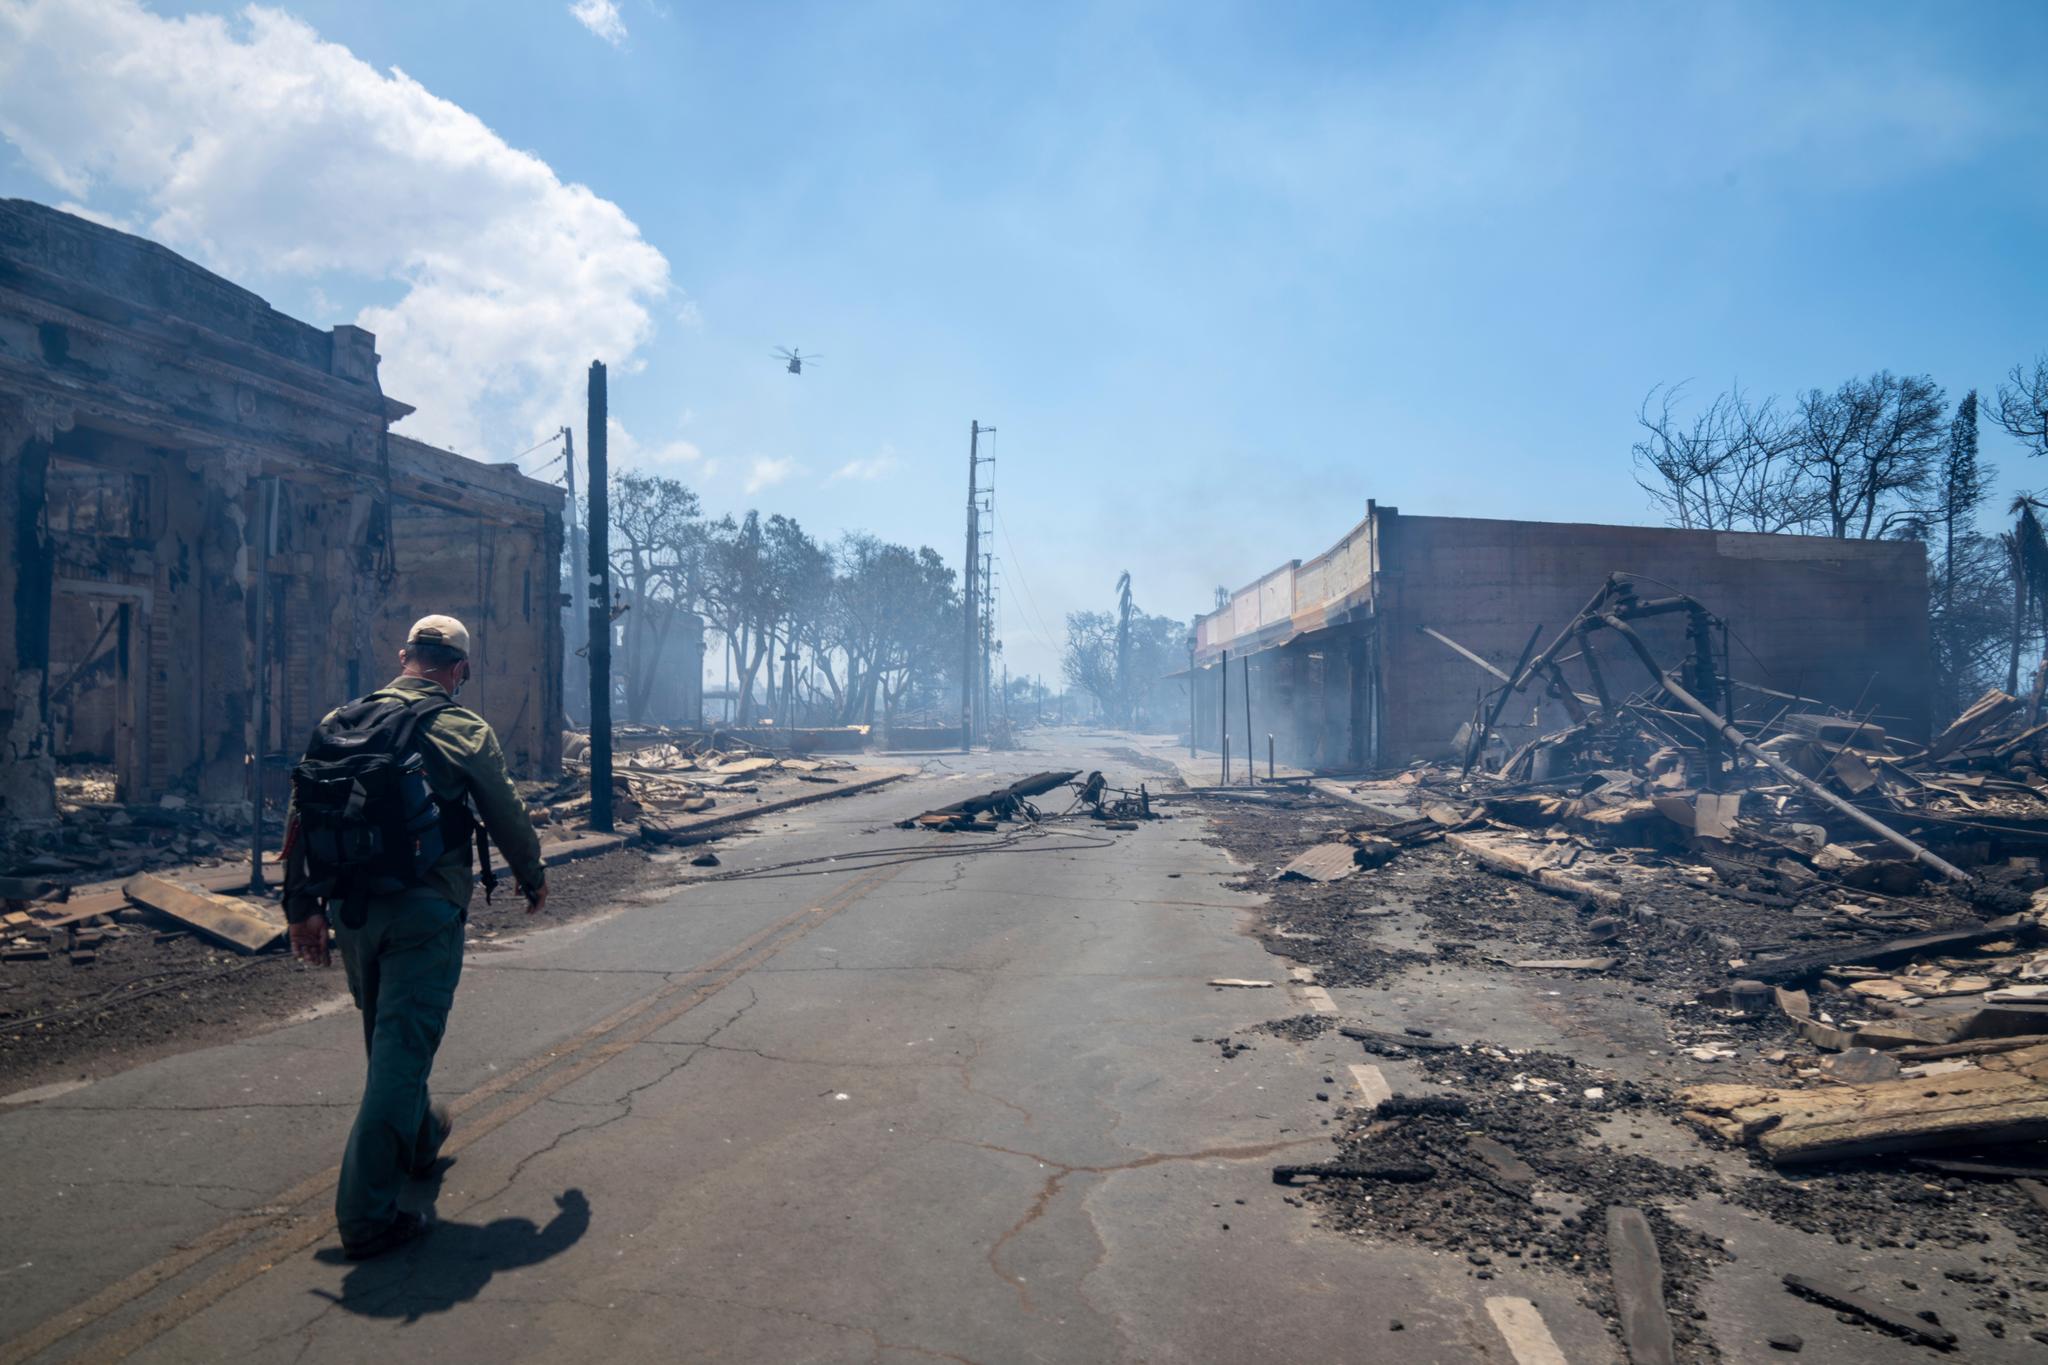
{"points": [[794, 360]]}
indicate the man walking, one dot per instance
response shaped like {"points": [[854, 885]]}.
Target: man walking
{"points": [[384, 811]]}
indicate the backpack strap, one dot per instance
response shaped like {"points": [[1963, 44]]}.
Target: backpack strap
{"points": [[425, 709]]}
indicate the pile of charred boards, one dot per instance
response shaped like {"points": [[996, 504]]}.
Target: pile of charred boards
{"points": [[1779, 802], [659, 773]]}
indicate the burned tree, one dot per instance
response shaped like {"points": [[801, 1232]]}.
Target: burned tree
{"points": [[1868, 450], [2022, 409], [655, 553], [1728, 468]]}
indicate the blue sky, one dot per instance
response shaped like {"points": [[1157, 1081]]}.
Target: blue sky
{"points": [[1217, 273]]}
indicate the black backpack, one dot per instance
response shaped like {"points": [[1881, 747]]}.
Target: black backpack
{"points": [[369, 822]]}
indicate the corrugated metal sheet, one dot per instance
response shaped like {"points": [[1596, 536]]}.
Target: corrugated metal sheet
{"points": [[1323, 863]]}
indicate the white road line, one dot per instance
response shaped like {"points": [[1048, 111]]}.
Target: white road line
{"points": [[1318, 999], [1372, 1084], [1521, 1326]]}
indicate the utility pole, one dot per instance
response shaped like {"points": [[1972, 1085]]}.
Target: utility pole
{"points": [[600, 609], [1191, 694], [970, 573], [579, 586]]}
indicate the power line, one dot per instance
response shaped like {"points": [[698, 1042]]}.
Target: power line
{"points": [[556, 436], [1038, 624]]}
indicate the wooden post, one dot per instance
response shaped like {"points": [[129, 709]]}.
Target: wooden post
{"points": [[599, 503]]}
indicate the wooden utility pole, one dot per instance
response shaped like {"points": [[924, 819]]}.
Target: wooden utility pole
{"points": [[600, 608]]}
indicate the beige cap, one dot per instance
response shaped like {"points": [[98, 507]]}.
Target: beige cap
{"points": [[440, 630]]}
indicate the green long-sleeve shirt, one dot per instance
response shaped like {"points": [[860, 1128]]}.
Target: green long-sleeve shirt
{"points": [[470, 764]]}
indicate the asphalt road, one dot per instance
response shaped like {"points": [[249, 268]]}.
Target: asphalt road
{"points": [[940, 1103]]}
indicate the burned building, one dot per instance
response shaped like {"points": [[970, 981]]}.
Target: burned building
{"points": [[212, 534], [1360, 657]]}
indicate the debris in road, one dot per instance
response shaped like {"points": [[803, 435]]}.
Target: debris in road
{"points": [[705, 859], [982, 812], [1871, 1311], [1235, 981], [2004, 1099], [1396, 1044], [1501, 1160], [1565, 964], [238, 924], [1638, 1273], [1398, 1172], [1421, 1106], [1323, 863]]}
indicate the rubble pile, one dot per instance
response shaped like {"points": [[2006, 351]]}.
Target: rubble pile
{"points": [[98, 838], [660, 775]]}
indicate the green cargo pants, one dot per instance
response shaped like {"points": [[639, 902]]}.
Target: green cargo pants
{"points": [[402, 968]]}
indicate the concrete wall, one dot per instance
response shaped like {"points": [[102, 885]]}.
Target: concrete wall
{"points": [[1824, 618]]}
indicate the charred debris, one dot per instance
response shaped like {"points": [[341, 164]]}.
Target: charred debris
{"points": [[1830, 938], [1093, 798], [1904, 879]]}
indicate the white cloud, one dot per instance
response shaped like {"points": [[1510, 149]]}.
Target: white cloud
{"points": [[625, 451], [763, 472], [867, 470], [264, 152], [602, 18]]}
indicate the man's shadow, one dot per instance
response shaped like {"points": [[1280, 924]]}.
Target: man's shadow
{"points": [[453, 1262]]}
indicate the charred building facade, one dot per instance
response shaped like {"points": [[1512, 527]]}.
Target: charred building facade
{"points": [[209, 533], [1359, 658]]}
